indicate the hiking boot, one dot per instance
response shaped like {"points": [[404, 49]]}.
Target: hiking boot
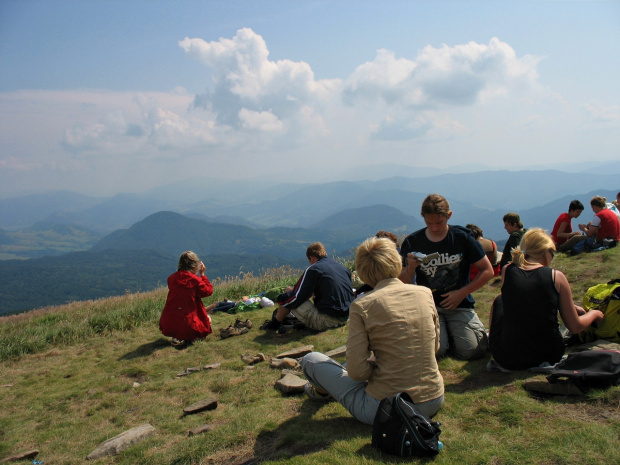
{"points": [[243, 324], [232, 331], [272, 324], [313, 394]]}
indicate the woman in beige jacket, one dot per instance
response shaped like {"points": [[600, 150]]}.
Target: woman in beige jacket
{"points": [[393, 339]]}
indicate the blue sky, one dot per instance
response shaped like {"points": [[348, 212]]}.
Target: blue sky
{"points": [[103, 97]]}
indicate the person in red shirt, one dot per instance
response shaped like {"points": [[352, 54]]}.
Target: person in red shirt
{"points": [[184, 317], [562, 234], [604, 225]]}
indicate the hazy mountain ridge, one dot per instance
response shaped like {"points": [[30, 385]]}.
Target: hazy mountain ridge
{"points": [[141, 257], [301, 205]]}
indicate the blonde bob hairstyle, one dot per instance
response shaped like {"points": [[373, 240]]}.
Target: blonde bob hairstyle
{"points": [[377, 259], [188, 261], [535, 243]]}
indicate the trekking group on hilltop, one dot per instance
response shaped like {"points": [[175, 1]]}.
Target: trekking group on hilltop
{"points": [[416, 304]]}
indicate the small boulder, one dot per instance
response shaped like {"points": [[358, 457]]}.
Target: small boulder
{"points": [[298, 352], [281, 363], [200, 429], [290, 384], [207, 404], [117, 444], [29, 454]]}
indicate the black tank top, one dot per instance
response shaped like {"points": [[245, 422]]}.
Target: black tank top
{"points": [[530, 333]]}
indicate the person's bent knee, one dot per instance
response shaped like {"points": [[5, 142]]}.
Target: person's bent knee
{"points": [[313, 357], [470, 354]]}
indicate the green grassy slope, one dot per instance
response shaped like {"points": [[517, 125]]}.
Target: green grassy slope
{"points": [[76, 375]]}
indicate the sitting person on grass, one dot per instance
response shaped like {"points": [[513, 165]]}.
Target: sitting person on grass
{"points": [[524, 328], [515, 230], [392, 342], [605, 226], [184, 317], [441, 255], [330, 284], [562, 234], [490, 249]]}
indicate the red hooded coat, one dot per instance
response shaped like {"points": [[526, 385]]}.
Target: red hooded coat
{"points": [[184, 316]]}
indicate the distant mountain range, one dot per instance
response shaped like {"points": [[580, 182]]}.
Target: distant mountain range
{"points": [[91, 247], [304, 205]]}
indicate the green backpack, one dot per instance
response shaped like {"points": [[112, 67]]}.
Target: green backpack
{"points": [[606, 298]]}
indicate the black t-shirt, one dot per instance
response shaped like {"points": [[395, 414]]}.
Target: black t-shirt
{"points": [[457, 252]]}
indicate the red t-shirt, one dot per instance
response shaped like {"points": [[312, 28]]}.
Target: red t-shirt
{"points": [[610, 225], [563, 218]]}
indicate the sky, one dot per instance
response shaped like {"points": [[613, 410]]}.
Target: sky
{"points": [[105, 96]]}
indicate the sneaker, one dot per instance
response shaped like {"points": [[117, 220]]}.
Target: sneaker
{"points": [[232, 331], [177, 342], [313, 394], [243, 324], [272, 324]]}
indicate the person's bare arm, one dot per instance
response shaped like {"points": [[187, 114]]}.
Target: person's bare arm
{"points": [[573, 321]]}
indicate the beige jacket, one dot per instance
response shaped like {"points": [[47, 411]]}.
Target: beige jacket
{"points": [[399, 323]]}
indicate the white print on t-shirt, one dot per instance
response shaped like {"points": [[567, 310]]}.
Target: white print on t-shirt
{"points": [[430, 269]]}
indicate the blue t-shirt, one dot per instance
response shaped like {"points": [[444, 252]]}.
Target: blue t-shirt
{"points": [[457, 252]]}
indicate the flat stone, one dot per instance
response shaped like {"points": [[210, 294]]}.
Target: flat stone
{"points": [[29, 454], [117, 444], [207, 404], [212, 366], [298, 352], [338, 352], [252, 359], [188, 371], [200, 429], [290, 384], [285, 362]]}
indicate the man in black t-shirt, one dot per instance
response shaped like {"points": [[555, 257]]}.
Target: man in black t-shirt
{"points": [[440, 257]]}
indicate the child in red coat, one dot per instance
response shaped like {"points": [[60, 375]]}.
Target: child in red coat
{"points": [[184, 317]]}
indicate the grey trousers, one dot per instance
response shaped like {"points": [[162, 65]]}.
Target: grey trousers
{"points": [[330, 376], [463, 329]]}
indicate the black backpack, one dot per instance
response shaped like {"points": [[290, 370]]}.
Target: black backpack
{"points": [[400, 429], [589, 369]]}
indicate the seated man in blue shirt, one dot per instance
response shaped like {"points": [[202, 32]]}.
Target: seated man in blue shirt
{"points": [[330, 284]]}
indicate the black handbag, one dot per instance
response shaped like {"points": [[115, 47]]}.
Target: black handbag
{"points": [[400, 429]]}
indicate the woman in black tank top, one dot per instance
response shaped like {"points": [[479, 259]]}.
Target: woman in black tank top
{"points": [[524, 327]]}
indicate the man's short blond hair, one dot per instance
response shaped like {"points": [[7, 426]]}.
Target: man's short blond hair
{"points": [[377, 259], [316, 250]]}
